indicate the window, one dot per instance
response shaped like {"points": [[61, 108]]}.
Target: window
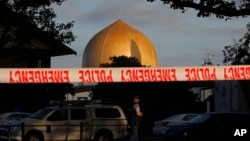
{"points": [[107, 113], [78, 114], [59, 115]]}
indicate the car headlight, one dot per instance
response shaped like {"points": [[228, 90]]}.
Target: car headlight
{"points": [[15, 128]]}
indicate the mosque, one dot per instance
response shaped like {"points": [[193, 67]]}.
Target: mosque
{"points": [[117, 39]]}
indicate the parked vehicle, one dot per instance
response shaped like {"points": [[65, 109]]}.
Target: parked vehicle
{"points": [[13, 117], [178, 119], [96, 122], [211, 126]]}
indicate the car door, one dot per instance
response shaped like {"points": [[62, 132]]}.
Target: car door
{"points": [[57, 125], [79, 124]]}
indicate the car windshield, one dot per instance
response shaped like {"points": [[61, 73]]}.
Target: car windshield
{"points": [[185, 117], [199, 119], [172, 117], [188, 117], [41, 113]]}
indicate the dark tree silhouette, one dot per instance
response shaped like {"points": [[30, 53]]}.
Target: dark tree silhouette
{"points": [[39, 13], [239, 52], [222, 9], [122, 61]]}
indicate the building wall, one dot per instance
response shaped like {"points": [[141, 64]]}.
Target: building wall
{"points": [[229, 97]]}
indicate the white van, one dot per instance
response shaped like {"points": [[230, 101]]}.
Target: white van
{"points": [[96, 122]]}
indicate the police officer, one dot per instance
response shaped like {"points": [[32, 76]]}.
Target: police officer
{"points": [[135, 119]]}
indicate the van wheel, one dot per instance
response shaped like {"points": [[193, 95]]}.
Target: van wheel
{"points": [[34, 136], [103, 136]]}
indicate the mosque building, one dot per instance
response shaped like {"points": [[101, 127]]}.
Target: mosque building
{"points": [[117, 39]]}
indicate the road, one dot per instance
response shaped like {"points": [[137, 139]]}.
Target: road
{"points": [[144, 139]]}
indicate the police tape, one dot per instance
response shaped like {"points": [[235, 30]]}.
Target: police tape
{"points": [[127, 74]]}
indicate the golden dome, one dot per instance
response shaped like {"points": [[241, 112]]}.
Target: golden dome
{"points": [[119, 39]]}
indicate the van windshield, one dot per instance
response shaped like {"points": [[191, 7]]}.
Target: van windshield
{"points": [[41, 114]]}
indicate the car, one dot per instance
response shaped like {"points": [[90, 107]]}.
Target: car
{"points": [[70, 122], [8, 117], [211, 126], [177, 119]]}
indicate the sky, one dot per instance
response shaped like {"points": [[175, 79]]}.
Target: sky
{"points": [[180, 39]]}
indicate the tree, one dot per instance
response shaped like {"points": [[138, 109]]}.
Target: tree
{"points": [[122, 61], [220, 8], [39, 13], [239, 52]]}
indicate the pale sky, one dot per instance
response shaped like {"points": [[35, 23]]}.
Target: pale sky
{"points": [[180, 39]]}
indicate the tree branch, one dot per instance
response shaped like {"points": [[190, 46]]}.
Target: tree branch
{"points": [[206, 8]]}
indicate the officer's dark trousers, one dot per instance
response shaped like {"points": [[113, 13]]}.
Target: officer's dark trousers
{"points": [[134, 136]]}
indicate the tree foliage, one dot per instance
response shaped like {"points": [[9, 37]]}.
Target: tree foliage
{"points": [[40, 13], [122, 61], [206, 8], [239, 52]]}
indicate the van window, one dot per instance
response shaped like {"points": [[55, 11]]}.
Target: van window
{"points": [[107, 113], [78, 114], [59, 115]]}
